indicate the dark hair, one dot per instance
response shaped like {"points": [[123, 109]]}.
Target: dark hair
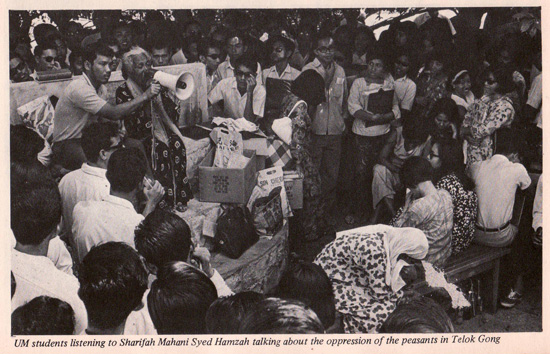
{"points": [[505, 79], [179, 299], [286, 42], [94, 50], [43, 315], [125, 169], [248, 62], [309, 283], [112, 280], [226, 313], [206, 44], [236, 34], [41, 48], [75, 54], [25, 144], [420, 315], [415, 170], [415, 129], [310, 87], [278, 316], [35, 204], [163, 237], [160, 41], [40, 32], [97, 137], [507, 141], [448, 107], [322, 34], [378, 53], [451, 155]]}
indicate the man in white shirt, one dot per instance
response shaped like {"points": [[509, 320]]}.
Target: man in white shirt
{"points": [[83, 100], [242, 94], [497, 180], [112, 280], [35, 213], [405, 88], [99, 141], [164, 237], [114, 218], [210, 56], [236, 48]]}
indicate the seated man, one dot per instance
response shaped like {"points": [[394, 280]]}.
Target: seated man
{"points": [[112, 280], [99, 141], [35, 213], [427, 208], [403, 143], [497, 180], [179, 299], [242, 95], [165, 237], [82, 101], [114, 218]]}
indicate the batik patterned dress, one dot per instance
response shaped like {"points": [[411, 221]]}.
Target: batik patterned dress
{"points": [[356, 265], [313, 212]]}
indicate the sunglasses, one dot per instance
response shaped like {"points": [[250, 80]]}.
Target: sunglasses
{"points": [[49, 59], [239, 73], [326, 50]]}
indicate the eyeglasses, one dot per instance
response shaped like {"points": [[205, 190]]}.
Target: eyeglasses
{"points": [[49, 59], [490, 82], [239, 73], [326, 50], [432, 155], [214, 56]]}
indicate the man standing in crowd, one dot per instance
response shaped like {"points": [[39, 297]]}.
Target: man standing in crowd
{"points": [[82, 101], [160, 51], [328, 123], [210, 56], [236, 48]]}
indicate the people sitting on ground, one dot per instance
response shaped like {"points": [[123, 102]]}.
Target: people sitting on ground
{"points": [[427, 208], [225, 314], [447, 160], [278, 316], [115, 216], [488, 114], [242, 94], [368, 267], [99, 141], [420, 315], [179, 299], [112, 280], [43, 315], [308, 283], [35, 213], [82, 101], [497, 180], [403, 143], [164, 237]]}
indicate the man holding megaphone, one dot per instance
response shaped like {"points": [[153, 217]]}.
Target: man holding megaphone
{"points": [[84, 100], [154, 123]]}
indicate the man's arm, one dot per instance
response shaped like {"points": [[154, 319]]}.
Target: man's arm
{"points": [[248, 107], [117, 112], [387, 152]]}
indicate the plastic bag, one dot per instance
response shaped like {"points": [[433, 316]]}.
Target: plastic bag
{"points": [[229, 148]]}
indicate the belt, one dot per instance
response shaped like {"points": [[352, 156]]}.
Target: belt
{"points": [[493, 230]]}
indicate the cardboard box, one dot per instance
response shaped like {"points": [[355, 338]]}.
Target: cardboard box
{"points": [[294, 186], [226, 185], [258, 144]]}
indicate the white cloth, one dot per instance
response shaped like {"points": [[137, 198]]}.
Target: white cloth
{"points": [[57, 253], [466, 103], [178, 58], [110, 219], [537, 206], [534, 98], [86, 183], [37, 276], [405, 90], [289, 74], [139, 322], [497, 180], [239, 125], [233, 103]]}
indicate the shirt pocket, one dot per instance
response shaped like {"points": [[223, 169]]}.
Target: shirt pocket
{"points": [[337, 89]]}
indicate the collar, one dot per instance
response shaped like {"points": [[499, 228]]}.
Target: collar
{"points": [[90, 83], [404, 78], [120, 202], [29, 258], [274, 69], [94, 171], [316, 63]]}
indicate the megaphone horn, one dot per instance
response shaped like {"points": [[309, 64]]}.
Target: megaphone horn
{"points": [[182, 85]]}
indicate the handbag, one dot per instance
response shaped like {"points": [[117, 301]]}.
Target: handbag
{"points": [[235, 232]]}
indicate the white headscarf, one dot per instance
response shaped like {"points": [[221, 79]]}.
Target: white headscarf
{"points": [[407, 240]]}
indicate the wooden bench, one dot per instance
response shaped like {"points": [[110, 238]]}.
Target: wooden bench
{"points": [[478, 259]]}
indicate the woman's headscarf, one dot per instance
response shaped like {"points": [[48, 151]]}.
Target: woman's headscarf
{"points": [[397, 241]]}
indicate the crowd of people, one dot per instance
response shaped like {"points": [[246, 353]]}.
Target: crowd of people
{"points": [[421, 134]]}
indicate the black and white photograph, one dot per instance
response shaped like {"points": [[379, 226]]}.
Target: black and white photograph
{"points": [[275, 171]]}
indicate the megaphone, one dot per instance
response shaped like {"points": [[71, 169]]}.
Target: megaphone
{"points": [[182, 85]]}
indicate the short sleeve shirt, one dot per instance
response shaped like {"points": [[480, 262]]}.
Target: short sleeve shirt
{"points": [[233, 103], [77, 107]]}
